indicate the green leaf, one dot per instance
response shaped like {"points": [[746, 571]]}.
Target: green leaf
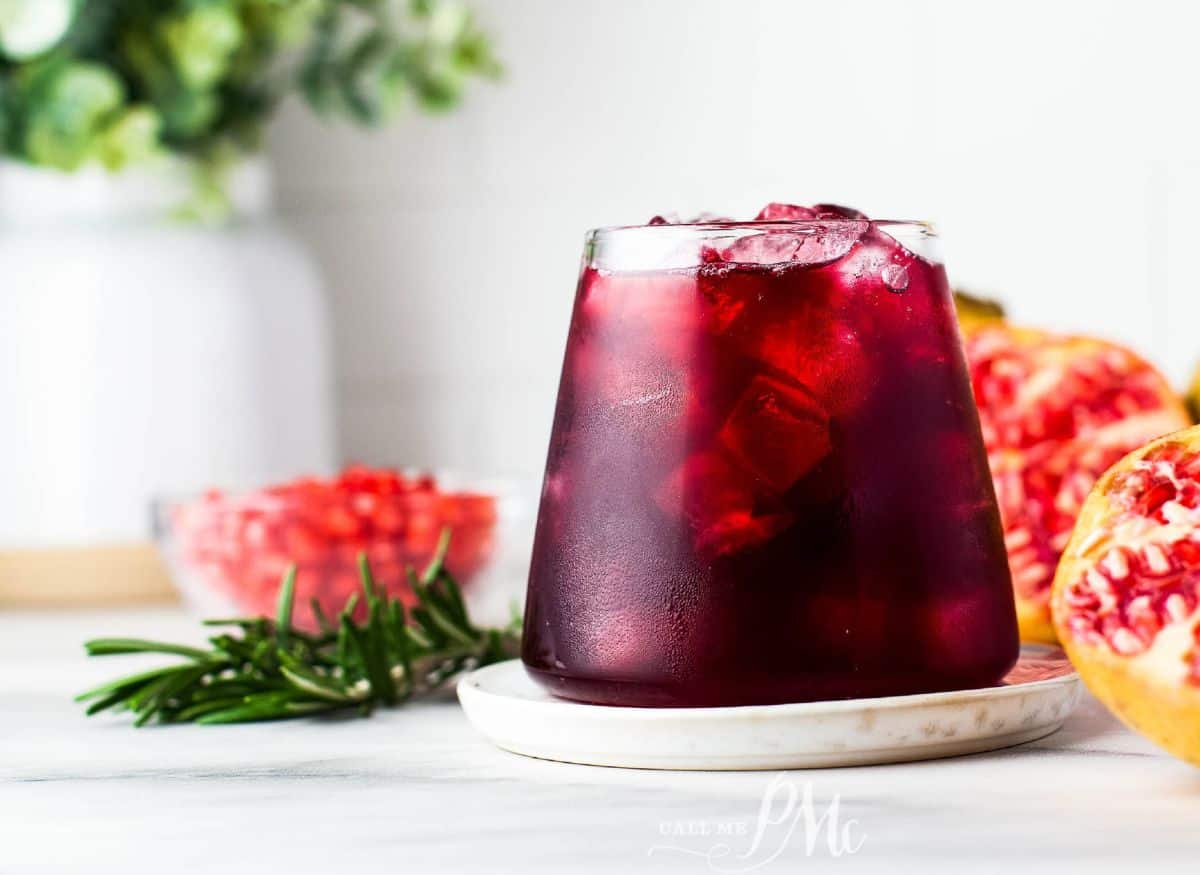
{"points": [[201, 43], [104, 704], [68, 108], [452, 598], [323, 622], [307, 681], [199, 709], [285, 605], [268, 706], [117, 646], [377, 671], [188, 114], [368, 579], [126, 685], [152, 699], [402, 649], [244, 622], [434, 569], [132, 137]]}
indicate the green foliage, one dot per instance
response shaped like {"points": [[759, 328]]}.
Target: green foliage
{"points": [[119, 81]]}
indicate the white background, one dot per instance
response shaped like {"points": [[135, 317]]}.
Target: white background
{"points": [[1053, 143]]}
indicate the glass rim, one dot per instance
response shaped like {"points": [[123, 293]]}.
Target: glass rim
{"points": [[925, 228]]}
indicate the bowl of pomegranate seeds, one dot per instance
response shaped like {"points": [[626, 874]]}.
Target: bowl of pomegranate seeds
{"points": [[228, 551]]}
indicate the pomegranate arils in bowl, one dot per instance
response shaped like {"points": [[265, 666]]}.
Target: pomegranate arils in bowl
{"points": [[233, 548]]}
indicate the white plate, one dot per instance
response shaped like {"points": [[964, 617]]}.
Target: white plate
{"points": [[518, 715]]}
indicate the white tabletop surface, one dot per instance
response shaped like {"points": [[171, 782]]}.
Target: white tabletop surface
{"points": [[416, 790]]}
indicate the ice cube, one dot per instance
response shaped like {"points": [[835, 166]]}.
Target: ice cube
{"points": [[830, 242], [772, 212], [800, 327], [704, 218], [776, 212], [811, 245], [770, 247], [878, 259], [834, 211], [637, 315], [739, 530], [718, 500], [724, 298], [703, 481], [777, 431]]}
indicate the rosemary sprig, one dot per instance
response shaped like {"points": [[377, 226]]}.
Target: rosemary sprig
{"points": [[266, 669]]}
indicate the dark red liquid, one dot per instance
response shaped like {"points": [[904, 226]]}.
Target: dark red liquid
{"points": [[766, 483]]}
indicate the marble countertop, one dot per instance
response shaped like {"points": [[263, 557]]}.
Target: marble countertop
{"points": [[417, 790]]}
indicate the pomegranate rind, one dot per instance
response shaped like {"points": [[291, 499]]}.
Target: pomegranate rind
{"points": [[974, 311], [1151, 691], [1034, 623], [1112, 400], [1193, 397]]}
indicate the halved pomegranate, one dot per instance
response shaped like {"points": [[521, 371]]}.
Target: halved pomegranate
{"points": [[1056, 412], [1126, 598]]}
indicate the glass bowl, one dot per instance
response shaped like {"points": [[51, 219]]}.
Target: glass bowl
{"points": [[227, 552]]}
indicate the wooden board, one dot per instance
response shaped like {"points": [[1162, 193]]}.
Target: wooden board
{"points": [[77, 577]]}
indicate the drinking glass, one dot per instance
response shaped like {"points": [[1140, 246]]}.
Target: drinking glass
{"points": [[766, 481]]}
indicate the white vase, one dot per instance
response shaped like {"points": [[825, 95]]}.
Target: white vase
{"points": [[145, 356]]}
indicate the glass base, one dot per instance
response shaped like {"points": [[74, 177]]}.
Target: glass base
{"points": [[773, 690]]}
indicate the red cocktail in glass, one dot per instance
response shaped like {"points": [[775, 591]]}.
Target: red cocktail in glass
{"points": [[766, 481]]}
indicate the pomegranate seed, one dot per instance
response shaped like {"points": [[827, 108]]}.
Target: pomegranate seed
{"points": [[341, 523], [1026, 578], [1156, 560], [364, 503], [1140, 615], [1115, 564], [255, 533], [1125, 642], [1016, 539], [1176, 607], [1187, 552]]}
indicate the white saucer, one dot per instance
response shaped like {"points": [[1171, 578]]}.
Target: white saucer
{"points": [[518, 715]]}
